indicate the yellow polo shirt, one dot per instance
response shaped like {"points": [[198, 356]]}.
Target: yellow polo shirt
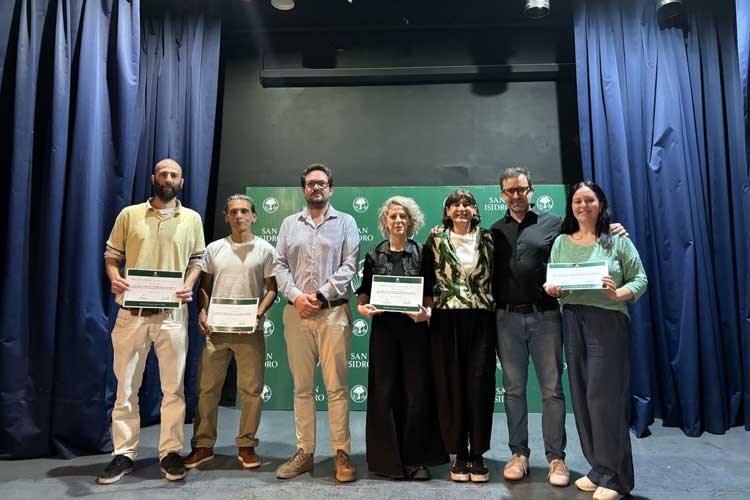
{"points": [[147, 241]]}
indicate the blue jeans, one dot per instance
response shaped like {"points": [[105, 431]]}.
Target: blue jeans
{"points": [[539, 335]]}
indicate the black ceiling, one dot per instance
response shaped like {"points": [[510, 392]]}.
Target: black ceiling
{"points": [[243, 16]]}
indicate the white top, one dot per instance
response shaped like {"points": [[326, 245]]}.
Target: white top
{"points": [[238, 269], [466, 249]]}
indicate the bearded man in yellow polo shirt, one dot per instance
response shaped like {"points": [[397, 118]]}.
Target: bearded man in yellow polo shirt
{"points": [[159, 234]]}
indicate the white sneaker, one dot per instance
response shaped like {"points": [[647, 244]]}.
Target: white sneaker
{"points": [[516, 468], [583, 483], [607, 494], [558, 473]]}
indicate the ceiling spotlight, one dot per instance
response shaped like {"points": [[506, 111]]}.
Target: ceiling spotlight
{"points": [[283, 4], [668, 9], [536, 8]]}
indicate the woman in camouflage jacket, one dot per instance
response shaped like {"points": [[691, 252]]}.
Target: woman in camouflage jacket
{"points": [[457, 266]]}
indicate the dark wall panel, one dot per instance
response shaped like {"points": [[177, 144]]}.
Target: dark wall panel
{"points": [[438, 134]]}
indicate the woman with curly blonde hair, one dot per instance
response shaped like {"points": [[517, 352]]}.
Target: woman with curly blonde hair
{"points": [[402, 436]]}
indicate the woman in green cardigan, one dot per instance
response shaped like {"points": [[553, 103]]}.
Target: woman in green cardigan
{"points": [[596, 334]]}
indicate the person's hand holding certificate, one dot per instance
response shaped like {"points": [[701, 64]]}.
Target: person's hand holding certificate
{"points": [[152, 289], [232, 315], [397, 293], [580, 276]]}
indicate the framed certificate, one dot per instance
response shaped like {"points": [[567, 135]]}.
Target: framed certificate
{"points": [[227, 315], [152, 289], [580, 276], [397, 293]]}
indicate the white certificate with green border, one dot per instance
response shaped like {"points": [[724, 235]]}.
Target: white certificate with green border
{"points": [[397, 293], [227, 315], [152, 289], [578, 276]]}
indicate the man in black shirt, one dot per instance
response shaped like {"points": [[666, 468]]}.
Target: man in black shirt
{"points": [[528, 323]]}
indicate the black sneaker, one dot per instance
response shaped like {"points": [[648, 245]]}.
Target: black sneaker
{"points": [[460, 470], [173, 467], [113, 472], [478, 470]]}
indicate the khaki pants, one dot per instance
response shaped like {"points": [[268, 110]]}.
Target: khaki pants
{"points": [[132, 337], [249, 353], [326, 337]]}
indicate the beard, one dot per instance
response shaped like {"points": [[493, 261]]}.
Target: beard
{"points": [[520, 208], [164, 195], [317, 203]]}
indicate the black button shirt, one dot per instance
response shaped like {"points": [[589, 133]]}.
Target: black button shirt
{"points": [[521, 255]]}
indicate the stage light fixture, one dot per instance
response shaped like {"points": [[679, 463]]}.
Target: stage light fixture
{"points": [[283, 4], [668, 9], [536, 9]]}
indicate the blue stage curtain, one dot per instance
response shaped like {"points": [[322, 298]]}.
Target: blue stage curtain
{"points": [[743, 49], [82, 127], [662, 130]]}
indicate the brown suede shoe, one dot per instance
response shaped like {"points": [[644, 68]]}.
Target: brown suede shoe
{"points": [[198, 456], [345, 471], [247, 457], [299, 463]]}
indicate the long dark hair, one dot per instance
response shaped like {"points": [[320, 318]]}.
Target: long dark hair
{"points": [[455, 197], [570, 224]]}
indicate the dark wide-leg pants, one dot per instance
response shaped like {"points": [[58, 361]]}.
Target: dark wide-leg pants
{"points": [[597, 348], [402, 428], [463, 363]]}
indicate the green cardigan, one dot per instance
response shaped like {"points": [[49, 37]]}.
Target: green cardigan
{"points": [[624, 264]]}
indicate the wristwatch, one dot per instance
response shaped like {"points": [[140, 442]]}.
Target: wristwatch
{"points": [[322, 298]]}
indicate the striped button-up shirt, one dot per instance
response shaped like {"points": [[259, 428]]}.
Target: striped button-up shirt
{"points": [[312, 258]]}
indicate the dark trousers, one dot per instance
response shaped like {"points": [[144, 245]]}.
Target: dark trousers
{"points": [[402, 427], [463, 362], [538, 335], [597, 347]]}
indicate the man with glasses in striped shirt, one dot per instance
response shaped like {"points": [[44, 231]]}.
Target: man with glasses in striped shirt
{"points": [[317, 255]]}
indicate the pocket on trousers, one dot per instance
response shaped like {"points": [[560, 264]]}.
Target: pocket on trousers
{"points": [[124, 318], [340, 318]]}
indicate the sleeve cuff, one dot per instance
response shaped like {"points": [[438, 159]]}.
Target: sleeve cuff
{"points": [[296, 292], [113, 253]]}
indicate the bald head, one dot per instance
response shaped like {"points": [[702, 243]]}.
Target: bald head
{"points": [[167, 162], [167, 180]]}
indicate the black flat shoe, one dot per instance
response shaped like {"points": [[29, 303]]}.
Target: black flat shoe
{"points": [[420, 473]]}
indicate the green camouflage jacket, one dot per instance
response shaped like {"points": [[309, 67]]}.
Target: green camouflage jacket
{"points": [[452, 288]]}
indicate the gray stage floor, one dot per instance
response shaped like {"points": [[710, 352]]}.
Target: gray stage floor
{"points": [[668, 465]]}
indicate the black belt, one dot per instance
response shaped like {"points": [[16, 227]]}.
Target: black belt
{"points": [[134, 311], [328, 303], [526, 308]]}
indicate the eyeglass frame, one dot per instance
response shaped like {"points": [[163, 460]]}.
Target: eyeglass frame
{"points": [[520, 190], [313, 184]]}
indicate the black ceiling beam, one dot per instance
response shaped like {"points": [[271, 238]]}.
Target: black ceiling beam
{"points": [[304, 77]]}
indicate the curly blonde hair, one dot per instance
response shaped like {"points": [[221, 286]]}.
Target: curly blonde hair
{"points": [[416, 217]]}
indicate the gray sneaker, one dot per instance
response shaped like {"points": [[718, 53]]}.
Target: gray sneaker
{"points": [[300, 463]]}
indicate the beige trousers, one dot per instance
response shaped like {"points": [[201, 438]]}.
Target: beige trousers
{"points": [[326, 337], [132, 338], [249, 352]]}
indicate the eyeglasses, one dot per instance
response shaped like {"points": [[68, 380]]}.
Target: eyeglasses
{"points": [[314, 184], [523, 190]]}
